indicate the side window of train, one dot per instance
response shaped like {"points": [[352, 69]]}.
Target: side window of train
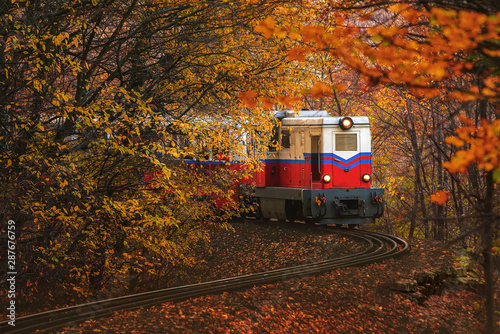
{"points": [[346, 142], [274, 140], [285, 138]]}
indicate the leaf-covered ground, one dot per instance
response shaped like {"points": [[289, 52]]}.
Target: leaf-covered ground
{"points": [[350, 300]]}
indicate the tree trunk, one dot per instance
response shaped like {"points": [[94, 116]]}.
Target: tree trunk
{"points": [[488, 223], [419, 197]]}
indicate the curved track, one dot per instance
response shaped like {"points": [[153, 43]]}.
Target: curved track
{"points": [[379, 246]]}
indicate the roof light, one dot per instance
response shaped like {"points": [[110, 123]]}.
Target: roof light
{"points": [[345, 123]]}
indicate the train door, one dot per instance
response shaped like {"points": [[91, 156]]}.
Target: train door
{"points": [[299, 176], [346, 159], [316, 158], [285, 153]]}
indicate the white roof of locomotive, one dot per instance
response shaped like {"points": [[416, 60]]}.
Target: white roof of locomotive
{"points": [[322, 114]]}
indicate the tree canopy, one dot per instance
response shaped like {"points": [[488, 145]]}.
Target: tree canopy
{"points": [[101, 101]]}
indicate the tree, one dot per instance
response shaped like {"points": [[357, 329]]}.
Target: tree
{"points": [[101, 103]]}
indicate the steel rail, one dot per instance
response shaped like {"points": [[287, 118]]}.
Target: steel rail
{"points": [[379, 246]]}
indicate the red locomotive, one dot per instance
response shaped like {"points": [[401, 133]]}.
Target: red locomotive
{"points": [[321, 173]]}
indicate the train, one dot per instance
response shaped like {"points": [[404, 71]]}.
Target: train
{"points": [[317, 169], [321, 172]]}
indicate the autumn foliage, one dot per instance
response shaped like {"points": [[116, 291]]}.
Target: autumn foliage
{"points": [[109, 110], [431, 77], [482, 147]]}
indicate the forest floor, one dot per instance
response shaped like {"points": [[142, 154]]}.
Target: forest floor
{"points": [[351, 300]]}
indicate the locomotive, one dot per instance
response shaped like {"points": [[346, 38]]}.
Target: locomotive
{"points": [[321, 172]]}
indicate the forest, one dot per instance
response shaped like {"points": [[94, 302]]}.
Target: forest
{"points": [[99, 99]]}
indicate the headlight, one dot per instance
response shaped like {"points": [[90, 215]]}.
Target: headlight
{"points": [[345, 123], [327, 178], [366, 178]]}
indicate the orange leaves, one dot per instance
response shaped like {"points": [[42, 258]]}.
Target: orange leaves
{"points": [[266, 102], [386, 54], [249, 98], [483, 146], [266, 27], [440, 197], [309, 33], [319, 90], [459, 162], [297, 53], [312, 33], [457, 142]]}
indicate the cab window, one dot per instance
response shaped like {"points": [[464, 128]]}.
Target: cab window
{"points": [[346, 142]]}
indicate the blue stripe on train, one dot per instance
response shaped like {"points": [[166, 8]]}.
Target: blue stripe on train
{"points": [[334, 156], [364, 158]]}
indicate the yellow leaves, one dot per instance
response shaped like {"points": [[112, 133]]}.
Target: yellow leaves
{"points": [[63, 184], [440, 197], [37, 84], [58, 40]]}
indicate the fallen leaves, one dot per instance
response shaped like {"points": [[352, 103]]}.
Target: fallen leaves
{"points": [[350, 300]]}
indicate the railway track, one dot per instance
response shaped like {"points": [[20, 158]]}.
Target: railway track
{"points": [[379, 246]]}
